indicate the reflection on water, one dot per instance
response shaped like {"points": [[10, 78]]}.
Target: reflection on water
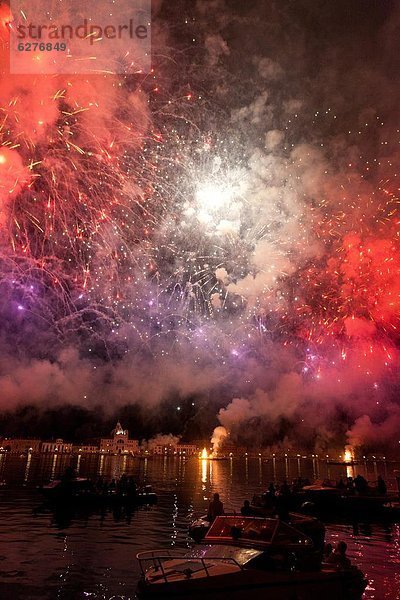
{"points": [[204, 471], [27, 468], [101, 466], [54, 467], [83, 553], [298, 466], [78, 463]]}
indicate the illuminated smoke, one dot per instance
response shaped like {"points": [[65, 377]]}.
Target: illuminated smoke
{"points": [[218, 437]]}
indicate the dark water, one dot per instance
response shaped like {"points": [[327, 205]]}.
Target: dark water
{"points": [[92, 555]]}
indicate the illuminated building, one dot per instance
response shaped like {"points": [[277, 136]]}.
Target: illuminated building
{"points": [[187, 449], [58, 446], [21, 445], [119, 442]]}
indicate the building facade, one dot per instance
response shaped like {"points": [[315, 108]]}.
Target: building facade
{"points": [[119, 442], [85, 448], [173, 449], [187, 450], [58, 446], [21, 445], [163, 449]]}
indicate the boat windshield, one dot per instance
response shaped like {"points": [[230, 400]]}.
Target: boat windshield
{"points": [[240, 555], [254, 531]]}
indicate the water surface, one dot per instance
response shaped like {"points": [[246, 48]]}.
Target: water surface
{"points": [[90, 555]]}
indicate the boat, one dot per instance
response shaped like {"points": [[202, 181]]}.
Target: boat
{"points": [[264, 557], [308, 525], [325, 499], [391, 510], [82, 490], [338, 500]]}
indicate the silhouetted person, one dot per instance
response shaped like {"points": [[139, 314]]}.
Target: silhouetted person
{"points": [[361, 485], [282, 501], [131, 486], [271, 490], [122, 484], [68, 476], [339, 558], [328, 549], [382, 489], [297, 485], [341, 485], [246, 509], [259, 500], [350, 485], [215, 508]]}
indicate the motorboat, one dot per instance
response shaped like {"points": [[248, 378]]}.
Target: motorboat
{"points": [[308, 525], [82, 490], [264, 557], [340, 500]]}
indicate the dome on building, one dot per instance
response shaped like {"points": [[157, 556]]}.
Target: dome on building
{"points": [[118, 430]]}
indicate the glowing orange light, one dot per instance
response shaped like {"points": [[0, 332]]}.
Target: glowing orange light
{"points": [[204, 454], [348, 455]]}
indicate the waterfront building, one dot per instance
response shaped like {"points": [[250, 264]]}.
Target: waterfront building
{"points": [[58, 446], [163, 449], [21, 445], [227, 448], [187, 450], [85, 448], [119, 442]]}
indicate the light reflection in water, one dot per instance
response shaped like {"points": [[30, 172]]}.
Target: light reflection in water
{"points": [[375, 470], [117, 466], [203, 476], [101, 465], [53, 466], [62, 570], [315, 465], [28, 466], [65, 574], [174, 533], [203, 468]]}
